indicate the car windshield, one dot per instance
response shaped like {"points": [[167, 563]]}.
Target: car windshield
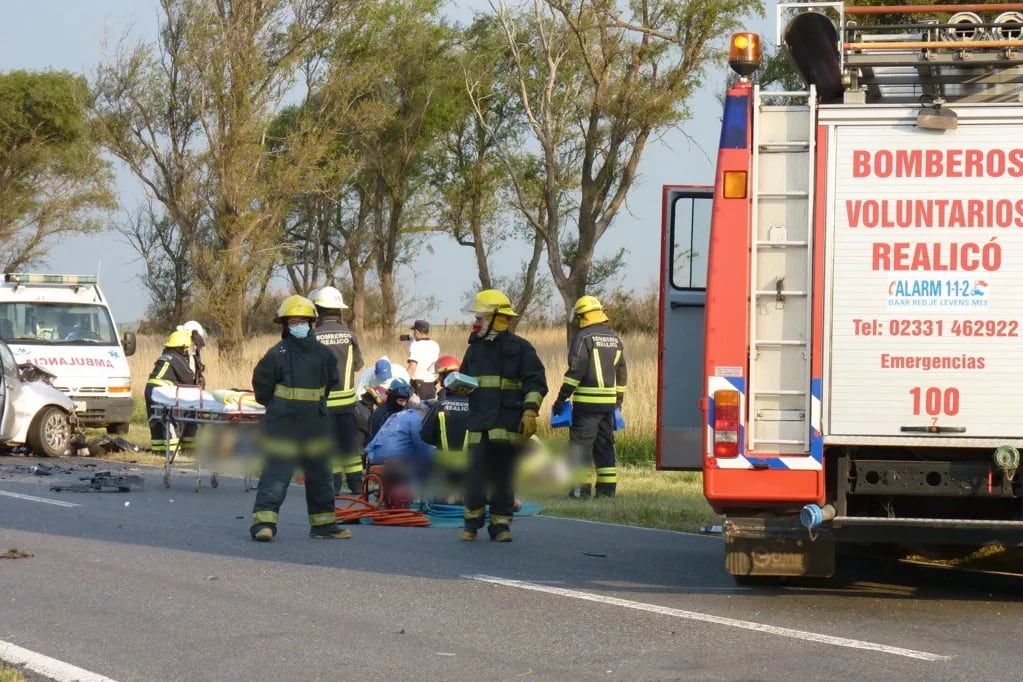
{"points": [[56, 324]]}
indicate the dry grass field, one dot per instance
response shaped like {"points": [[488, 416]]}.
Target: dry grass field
{"points": [[671, 500]]}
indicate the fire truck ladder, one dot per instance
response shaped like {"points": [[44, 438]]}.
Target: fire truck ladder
{"points": [[784, 125]]}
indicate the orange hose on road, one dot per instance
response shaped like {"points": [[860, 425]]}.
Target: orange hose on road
{"points": [[359, 508]]}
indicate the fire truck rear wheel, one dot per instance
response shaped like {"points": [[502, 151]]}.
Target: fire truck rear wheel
{"points": [[49, 435]]}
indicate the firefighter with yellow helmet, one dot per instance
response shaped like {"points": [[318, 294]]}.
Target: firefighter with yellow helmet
{"points": [[172, 368], [503, 411], [595, 382], [292, 381], [332, 332]]}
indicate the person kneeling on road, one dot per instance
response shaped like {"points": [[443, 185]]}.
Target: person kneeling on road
{"points": [[406, 458], [292, 381]]}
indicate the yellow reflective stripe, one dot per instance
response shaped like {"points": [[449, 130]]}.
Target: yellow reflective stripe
{"points": [[619, 388], [489, 381], [500, 520], [595, 399], [166, 366], [569, 381], [348, 370], [289, 393], [533, 397], [474, 437], [287, 447], [593, 390], [264, 517], [322, 519], [160, 382], [442, 421], [473, 514], [597, 368], [352, 464], [618, 356], [341, 397], [510, 384], [607, 474]]}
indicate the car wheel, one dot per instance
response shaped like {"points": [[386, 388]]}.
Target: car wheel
{"points": [[50, 432], [118, 429]]}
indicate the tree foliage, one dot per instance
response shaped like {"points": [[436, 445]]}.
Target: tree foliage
{"points": [[53, 181]]}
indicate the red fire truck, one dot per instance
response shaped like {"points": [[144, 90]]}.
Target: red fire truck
{"points": [[862, 364]]}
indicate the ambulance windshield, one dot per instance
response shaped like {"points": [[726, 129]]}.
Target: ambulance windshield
{"points": [[56, 324]]}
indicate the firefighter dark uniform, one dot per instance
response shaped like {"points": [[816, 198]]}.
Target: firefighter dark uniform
{"points": [[331, 332], [446, 427], [292, 380], [171, 369], [595, 382], [502, 412]]}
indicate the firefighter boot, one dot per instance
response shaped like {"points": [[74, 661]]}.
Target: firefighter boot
{"points": [[473, 519], [331, 532], [264, 534], [606, 489], [500, 528]]}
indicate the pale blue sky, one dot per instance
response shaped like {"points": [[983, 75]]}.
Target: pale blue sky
{"points": [[70, 35]]}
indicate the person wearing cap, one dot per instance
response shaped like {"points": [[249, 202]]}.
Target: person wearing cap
{"points": [[423, 353], [380, 373], [332, 332]]}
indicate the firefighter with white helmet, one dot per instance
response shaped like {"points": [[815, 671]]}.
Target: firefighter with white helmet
{"points": [[171, 369], [195, 352], [446, 423], [595, 382], [292, 381], [334, 334], [503, 412]]}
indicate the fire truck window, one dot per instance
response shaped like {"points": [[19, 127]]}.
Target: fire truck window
{"points": [[690, 223]]}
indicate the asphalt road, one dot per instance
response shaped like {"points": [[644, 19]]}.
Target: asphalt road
{"points": [[166, 585]]}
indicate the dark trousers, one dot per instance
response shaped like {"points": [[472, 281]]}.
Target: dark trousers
{"points": [[347, 466], [592, 439], [273, 486], [425, 391], [491, 470], [179, 435]]}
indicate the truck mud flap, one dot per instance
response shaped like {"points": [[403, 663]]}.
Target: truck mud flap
{"points": [[777, 547]]}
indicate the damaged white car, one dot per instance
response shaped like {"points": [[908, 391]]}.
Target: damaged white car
{"points": [[34, 413]]}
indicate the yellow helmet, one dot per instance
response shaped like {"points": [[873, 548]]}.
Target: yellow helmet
{"points": [[179, 338], [296, 306], [491, 301], [587, 303]]}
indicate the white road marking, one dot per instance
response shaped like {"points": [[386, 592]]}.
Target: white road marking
{"points": [[717, 620], [33, 498], [48, 667]]}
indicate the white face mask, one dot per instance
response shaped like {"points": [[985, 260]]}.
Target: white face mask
{"points": [[299, 331]]}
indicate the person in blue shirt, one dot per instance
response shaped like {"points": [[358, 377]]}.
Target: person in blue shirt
{"points": [[400, 448]]}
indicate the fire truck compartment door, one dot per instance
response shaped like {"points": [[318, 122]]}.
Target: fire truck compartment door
{"points": [[686, 238]]}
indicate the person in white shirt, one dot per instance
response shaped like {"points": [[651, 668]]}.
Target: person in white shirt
{"points": [[422, 356]]}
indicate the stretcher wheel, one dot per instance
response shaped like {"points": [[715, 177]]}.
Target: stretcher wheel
{"points": [[198, 484], [166, 478], [214, 481], [248, 483]]}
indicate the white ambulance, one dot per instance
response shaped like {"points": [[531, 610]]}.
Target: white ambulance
{"points": [[62, 324]]}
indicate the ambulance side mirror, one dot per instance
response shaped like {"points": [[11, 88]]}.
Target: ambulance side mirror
{"points": [[128, 343]]}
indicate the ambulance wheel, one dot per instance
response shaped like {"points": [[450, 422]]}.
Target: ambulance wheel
{"points": [[118, 429], [49, 435]]}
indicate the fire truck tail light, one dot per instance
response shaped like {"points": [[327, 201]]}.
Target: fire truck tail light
{"points": [[734, 185], [726, 423]]}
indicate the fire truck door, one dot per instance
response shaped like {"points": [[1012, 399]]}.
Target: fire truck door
{"points": [[686, 237]]}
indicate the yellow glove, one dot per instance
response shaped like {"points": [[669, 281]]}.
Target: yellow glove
{"points": [[527, 427]]}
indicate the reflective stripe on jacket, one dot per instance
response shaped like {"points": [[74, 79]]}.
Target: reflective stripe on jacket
{"points": [[597, 373], [344, 346], [511, 379], [291, 381]]}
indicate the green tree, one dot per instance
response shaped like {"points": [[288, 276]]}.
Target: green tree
{"points": [[192, 119], [53, 181], [596, 80]]}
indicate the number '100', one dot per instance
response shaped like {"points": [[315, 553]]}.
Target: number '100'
{"points": [[934, 401]]}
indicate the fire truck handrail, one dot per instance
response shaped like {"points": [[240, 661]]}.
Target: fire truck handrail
{"points": [[935, 45], [916, 9]]}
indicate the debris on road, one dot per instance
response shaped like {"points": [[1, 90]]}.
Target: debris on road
{"points": [[16, 554], [101, 480]]}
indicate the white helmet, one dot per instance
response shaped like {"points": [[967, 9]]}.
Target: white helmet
{"points": [[329, 298], [194, 326]]}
